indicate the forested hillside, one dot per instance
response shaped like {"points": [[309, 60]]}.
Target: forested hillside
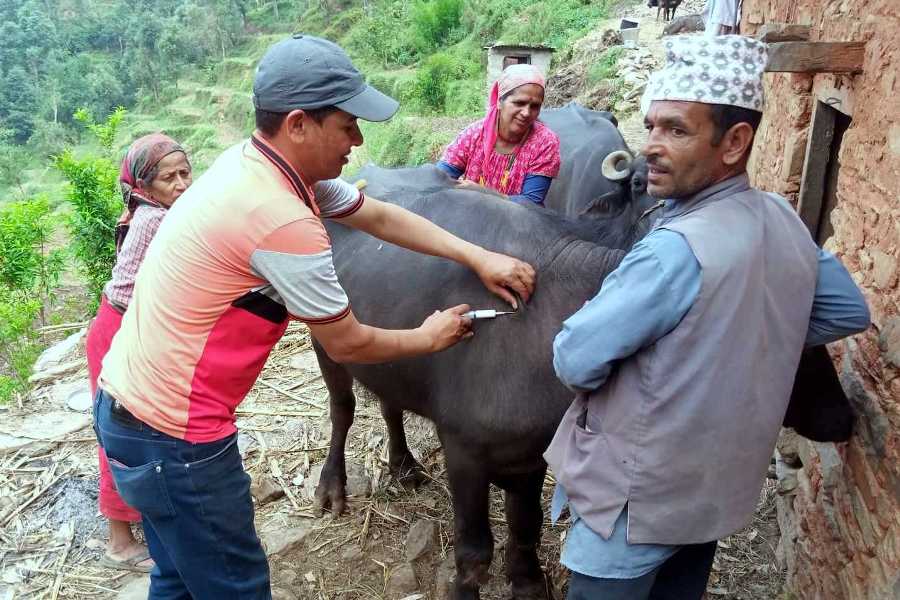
{"points": [[58, 56], [83, 78]]}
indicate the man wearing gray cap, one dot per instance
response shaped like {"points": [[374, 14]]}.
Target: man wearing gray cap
{"points": [[242, 253], [684, 361]]}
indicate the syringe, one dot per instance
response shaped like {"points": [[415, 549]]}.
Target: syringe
{"points": [[485, 314]]}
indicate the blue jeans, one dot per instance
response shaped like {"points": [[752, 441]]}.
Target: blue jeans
{"points": [[196, 508], [682, 576]]}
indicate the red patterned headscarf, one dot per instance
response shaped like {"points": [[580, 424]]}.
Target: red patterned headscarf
{"points": [[512, 77], [138, 166], [139, 163]]}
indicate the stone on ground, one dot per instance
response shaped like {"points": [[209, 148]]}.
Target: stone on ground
{"points": [[420, 539]]}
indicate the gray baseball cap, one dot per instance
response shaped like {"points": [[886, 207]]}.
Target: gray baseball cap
{"points": [[303, 71]]}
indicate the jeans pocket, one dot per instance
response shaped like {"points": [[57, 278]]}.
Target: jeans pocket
{"points": [[222, 465], [143, 487]]}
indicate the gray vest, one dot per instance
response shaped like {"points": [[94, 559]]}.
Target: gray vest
{"points": [[683, 430]]}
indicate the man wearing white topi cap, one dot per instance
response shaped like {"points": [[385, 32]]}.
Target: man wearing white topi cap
{"points": [[684, 361]]}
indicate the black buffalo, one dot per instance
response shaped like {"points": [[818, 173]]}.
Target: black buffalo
{"points": [[494, 399], [597, 176]]}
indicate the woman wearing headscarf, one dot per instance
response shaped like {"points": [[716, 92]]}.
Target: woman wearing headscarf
{"points": [[155, 172], [509, 151]]}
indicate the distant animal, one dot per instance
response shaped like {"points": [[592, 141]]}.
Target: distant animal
{"points": [[667, 7], [495, 401], [684, 24]]}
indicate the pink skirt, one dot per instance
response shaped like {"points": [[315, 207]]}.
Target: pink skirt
{"points": [[99, 338]]}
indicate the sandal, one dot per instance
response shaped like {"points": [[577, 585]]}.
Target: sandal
{"points": [[128, 564]]}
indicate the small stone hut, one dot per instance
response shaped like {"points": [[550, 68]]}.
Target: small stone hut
{"points": [[501, 56], [830, 141]]}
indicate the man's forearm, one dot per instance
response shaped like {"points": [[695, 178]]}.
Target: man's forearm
{"points": [[404, 228], [374, 345]]}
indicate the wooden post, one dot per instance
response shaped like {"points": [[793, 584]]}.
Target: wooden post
{"points": [[816, 57], [783, 32], [815, 167]]}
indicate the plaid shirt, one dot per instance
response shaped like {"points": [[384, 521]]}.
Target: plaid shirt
{"points": [[141, 230]]}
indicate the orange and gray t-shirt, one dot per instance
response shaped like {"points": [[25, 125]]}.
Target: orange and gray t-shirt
{"points": [[241, 252]]}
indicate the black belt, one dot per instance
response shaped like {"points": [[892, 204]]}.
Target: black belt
{"points": [[119, 413]]}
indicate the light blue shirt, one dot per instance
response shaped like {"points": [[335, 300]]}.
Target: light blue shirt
{"points": [[641, 301]]}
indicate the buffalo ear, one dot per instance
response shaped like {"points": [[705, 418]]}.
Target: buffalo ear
{"points": [[602, 205], [609, 117]]}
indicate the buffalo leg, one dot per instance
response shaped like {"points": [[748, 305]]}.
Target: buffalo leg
{"points": [[403, 466], [331, 491], [473, 542], [525, 517]]}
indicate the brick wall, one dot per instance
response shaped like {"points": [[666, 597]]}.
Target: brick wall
{"points": [[840, 511]]}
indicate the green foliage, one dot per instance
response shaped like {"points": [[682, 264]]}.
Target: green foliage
{"points": [[606, 66], [465, 97], [93, 193], [433, 80], [29, 271], [13, 159], [18, 340], [26, 263], [550, 22], [382, 38], [434, 21], [49, 139], [105, 132], [405, 141]]}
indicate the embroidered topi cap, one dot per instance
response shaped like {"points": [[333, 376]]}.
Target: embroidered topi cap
{"points": [[725, 69]]}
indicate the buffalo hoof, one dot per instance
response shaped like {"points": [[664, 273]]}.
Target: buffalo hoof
{"points": [[409, 472], [532, 590], [465, 593], [330, 494]]}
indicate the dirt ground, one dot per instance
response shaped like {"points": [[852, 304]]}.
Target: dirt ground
{"points": [[51, 535]]}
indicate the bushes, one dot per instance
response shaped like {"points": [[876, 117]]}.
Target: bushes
{"points": [[29, 272], [607, 66], [550, 22], [18, 340], [405, 141], [26, 263], [433, 80], [382, 38], [95, 198], [434, 22]]}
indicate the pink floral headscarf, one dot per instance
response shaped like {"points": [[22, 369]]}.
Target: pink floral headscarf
{"points": [[512, 77]]}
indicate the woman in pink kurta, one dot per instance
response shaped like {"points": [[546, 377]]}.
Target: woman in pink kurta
{"points": [[509, 151]]}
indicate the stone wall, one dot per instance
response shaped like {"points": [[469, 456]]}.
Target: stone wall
{"points": [[840, 510], [540, 58]]}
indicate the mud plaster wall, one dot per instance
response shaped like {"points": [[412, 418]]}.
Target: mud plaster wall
{"points": [[840, 512]]}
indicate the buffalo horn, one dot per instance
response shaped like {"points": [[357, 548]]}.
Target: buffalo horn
{"points": [[610, 168]]}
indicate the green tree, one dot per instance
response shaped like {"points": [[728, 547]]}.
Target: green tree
{"points": [[27, 263], [29, 272], [13, 159], [433, 79], [94, 196], [17, 101], [434, 21]]}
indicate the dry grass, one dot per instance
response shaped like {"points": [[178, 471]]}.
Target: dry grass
{"points": [[54, 542]]}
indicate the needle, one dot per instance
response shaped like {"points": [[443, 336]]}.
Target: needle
{"points": [[485, 314]]}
